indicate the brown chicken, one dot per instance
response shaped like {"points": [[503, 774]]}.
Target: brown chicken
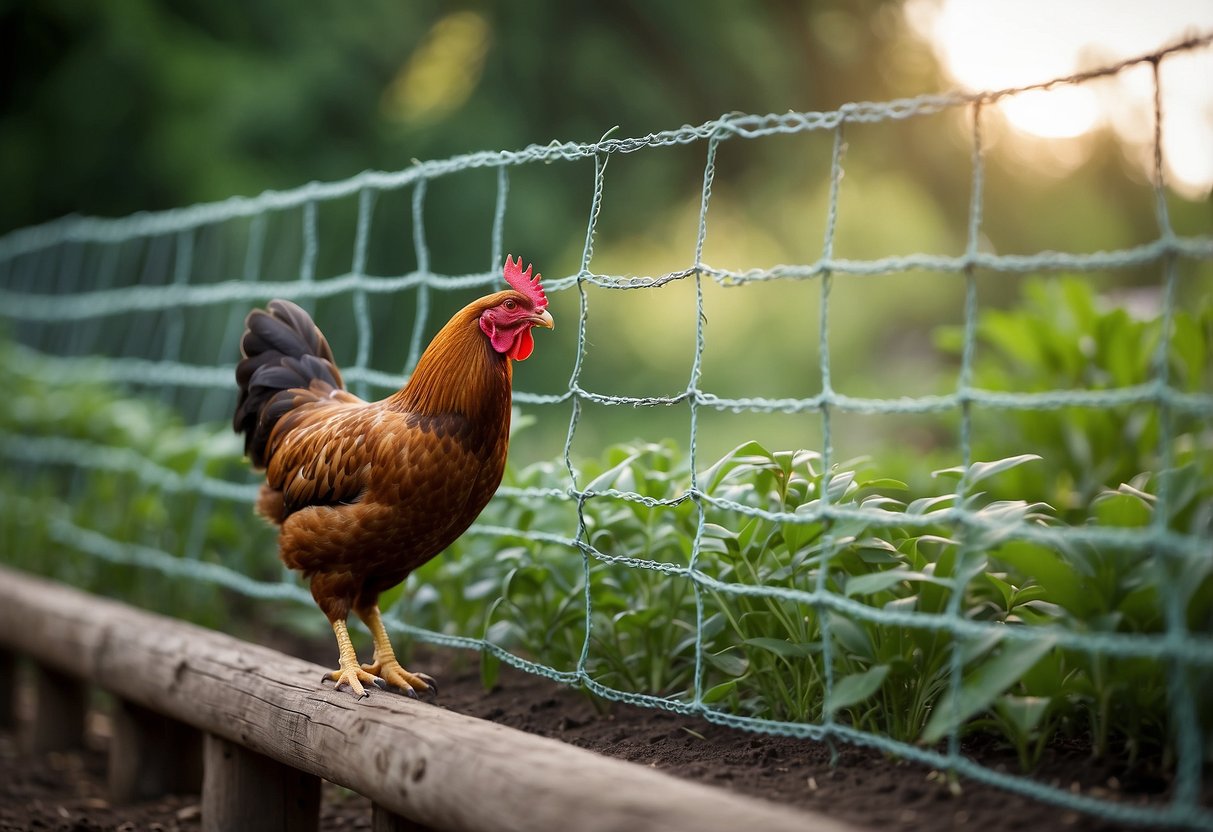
{"points": [[364, 493]]}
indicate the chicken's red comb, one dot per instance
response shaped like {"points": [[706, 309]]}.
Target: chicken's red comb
{"points": [[522, 282]]}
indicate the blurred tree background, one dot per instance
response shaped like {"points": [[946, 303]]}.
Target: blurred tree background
{"points": [[112, 108]]}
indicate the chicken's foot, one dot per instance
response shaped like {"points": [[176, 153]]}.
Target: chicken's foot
{"points": [[384, 664], [349, 673]]}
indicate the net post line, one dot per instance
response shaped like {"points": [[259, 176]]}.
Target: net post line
{"points": [[582, 530], [422, 312], [827, 446], [93, 456], [148, 372], [361, 305], [1190, 754], [709, 175], [80, 229], [48, 307], [969, 562]]}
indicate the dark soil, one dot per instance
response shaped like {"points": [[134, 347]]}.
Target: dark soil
{"points": [[66, 791]]}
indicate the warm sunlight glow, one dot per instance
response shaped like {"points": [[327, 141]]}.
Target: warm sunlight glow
{"points": [[999, 44], [1058, 114], [442, 72]]}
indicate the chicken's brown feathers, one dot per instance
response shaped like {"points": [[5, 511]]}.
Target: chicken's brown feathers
{"points": [[283, 350], [320, 455], [364, 493]]}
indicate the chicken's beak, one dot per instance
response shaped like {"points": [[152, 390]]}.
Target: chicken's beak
{"points": [[544, 319]]}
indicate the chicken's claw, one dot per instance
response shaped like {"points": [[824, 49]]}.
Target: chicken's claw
{"points": [[351, 677], [396, 678], [384, 686], [429, 681]]}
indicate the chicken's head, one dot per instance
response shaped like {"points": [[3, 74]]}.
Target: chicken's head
{"points": [[508, 322]]}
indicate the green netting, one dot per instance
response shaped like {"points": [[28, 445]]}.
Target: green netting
{"points": [[81, 309]]}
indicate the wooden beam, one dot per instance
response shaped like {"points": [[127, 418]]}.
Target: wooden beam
{"points": [[151, 755], [8, 686], [383, 820], [243, 791], [435, 767], [60, 705]]}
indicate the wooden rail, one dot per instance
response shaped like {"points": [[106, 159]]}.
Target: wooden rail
{"points": [[269, 731]]}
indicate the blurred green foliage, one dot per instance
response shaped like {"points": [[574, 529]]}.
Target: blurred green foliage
{"points": [[113, 108], [142, 492], [116, 108]]}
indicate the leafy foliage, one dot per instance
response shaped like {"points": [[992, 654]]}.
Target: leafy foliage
{"points": [[1060, 339], [770, 584], [143, 491]]}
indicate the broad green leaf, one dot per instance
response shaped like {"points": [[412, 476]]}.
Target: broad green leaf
{"points": [[878, 581], [1023, 712], [609, 477], [798, 535], [874, 582], [876, 544], [1060, 577], [839, 484], [979, 471], [729, 663], [975, 647], [879, 557], [1004, 589], [713, 625], [1190, 351], [985, 684], [746, 453], [851, 636], [1125, 507], [714, 530], [855, 688], [885, 482], [750, 532], [783, 648], [718, 546], [881, 502], [718, 692], [1027, 594], [925, 504]]}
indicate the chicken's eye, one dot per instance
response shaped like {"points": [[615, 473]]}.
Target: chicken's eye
{"points": [[510, 304]]}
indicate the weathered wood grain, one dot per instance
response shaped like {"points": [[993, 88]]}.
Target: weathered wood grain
{"points": [[243, 791], [435, 767], [60, 704], [383, 820], [151, 755], [8, 686]]}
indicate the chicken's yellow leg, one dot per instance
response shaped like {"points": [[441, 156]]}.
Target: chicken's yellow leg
{"points": [[384, 664], [349, 673]]}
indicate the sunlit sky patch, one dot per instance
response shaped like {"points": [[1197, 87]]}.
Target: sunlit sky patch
{"points": [[999, 44]]}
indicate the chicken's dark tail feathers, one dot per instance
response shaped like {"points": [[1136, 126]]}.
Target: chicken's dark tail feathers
{"points": [[282, 350]]}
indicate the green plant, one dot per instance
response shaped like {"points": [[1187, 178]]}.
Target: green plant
{"points": [[1062, 337], [815, 593]]}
